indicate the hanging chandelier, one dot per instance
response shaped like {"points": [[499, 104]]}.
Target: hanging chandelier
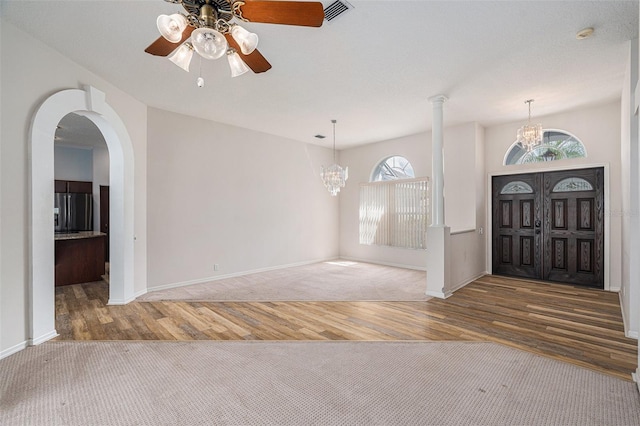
{"points": [[530, 135], [334, 177], [209, 29]]}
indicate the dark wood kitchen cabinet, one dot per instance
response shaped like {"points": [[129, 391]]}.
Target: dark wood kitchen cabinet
{"points": [[73, 186], [79, 258]]}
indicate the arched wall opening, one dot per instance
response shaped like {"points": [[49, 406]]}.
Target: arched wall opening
{"points": [[90, 103]]}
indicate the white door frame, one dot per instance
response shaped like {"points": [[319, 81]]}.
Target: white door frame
{"points": [[90, 103]]}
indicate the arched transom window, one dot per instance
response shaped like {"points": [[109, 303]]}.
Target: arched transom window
{"points": [[392, 168], [556, 145]]}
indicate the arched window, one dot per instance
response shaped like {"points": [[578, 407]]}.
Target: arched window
{"points": [[556, 145], [392, 168]]}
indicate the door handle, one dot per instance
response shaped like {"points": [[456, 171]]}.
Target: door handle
{"points": [[537, 231], [538, 223]]}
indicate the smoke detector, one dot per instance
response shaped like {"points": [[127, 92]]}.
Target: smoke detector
{"points": [[584, 33]]}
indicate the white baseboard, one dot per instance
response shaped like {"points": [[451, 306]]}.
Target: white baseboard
{"points": [[375, 262], [127, 300], [633, 334], [13, 349], [140, 293], [234, 275], [465, 282], [449, 292], [41, 339], [116, 302], [438, 294]]}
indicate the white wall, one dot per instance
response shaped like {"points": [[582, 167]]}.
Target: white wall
{"points": [[630, 165], [460, 182], [460, 176], [598, 127], [73, 163], [467, 249], [27, 80], [361, 162], [244, 200]]}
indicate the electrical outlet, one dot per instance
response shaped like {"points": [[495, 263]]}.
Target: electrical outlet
{"points": [[216, 266]]}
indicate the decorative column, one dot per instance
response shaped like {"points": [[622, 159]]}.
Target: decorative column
{"points": [[437, 162], [438, 234]]}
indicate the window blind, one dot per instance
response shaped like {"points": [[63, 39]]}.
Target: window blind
{"points": [[395, 213]]}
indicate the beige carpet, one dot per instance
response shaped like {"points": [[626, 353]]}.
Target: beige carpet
{"points": [[326, 281], [304, 383]]}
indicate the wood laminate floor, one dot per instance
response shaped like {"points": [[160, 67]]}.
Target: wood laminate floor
{"points": [[571, 324]]}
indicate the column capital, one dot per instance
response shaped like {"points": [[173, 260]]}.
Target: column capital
{"points": [[438, 99]]}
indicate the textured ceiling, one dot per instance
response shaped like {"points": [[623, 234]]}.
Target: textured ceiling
{"points": [[373, 69]]}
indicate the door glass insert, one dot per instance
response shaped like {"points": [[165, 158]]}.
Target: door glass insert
{"points": [[572, 184], [517, 187]]}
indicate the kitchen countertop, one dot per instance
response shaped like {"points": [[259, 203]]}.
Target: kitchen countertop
{"points": [[78, 235]]}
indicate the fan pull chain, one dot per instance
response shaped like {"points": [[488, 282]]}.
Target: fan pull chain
{"points": [[200, 80]]}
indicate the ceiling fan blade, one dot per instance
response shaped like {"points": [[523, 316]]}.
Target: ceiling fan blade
{"points": [[254, 60], [162, 46], [307, 14]]}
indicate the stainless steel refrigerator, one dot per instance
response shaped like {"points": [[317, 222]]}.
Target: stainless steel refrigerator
{"points": [[73, 212]]}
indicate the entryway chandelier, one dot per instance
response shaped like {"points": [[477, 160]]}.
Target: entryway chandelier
{"points": [[334, 177], [208, 28], [530, 135]]}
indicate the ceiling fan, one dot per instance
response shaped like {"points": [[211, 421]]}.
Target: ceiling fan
{"points": [[209, 29]]}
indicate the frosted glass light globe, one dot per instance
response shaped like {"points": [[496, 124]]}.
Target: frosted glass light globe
{"points": [[246, 40], [182, 56], [171, 27], [237, 65], [209, 43]]}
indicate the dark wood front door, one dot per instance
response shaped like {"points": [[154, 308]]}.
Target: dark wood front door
{"points": [[516, 212], [550, 226]]}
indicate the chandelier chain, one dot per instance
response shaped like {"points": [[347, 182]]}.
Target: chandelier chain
{"points": [[334, 140], [335, 176]]}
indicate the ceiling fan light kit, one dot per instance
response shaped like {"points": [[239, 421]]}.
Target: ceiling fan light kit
{"points": [[207, 29]]}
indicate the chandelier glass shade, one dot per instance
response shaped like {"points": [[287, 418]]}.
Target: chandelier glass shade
{"points": [[530, 135], [335, 176]]}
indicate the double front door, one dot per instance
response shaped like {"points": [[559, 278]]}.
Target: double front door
{"points": [[550, 226]]}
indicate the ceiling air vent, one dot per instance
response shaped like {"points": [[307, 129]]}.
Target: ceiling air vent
{"points": [[336, 9]]}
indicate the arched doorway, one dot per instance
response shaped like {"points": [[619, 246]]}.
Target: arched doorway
{"points": [[90, 103]]}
